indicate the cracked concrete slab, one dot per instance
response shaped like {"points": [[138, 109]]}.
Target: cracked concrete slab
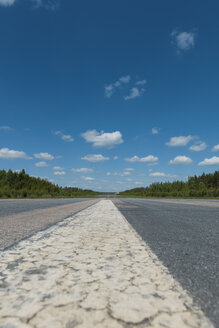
{"points": [[91, 270]]}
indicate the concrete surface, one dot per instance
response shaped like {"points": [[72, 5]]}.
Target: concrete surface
{"points": [[91, 270]]}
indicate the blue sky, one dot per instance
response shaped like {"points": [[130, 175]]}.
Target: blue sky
{"points": [[109, 95]]}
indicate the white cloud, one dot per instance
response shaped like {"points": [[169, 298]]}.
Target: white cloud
{"points": [[142, 82], [183, 41], [149, 158], [65, 137], [7, 2], [41, 164], [210, 161], [58, 168], [6, 153], [47, 4], [157, 174], [179, 141], [138, 183], [129, 169], [103, 139], [95, 158], [88, 178], [116, 174], [180, 160], [115, 158], [125, 173], [155, 131], [120, 83], [44, 156], [199, 146], [215, 148], [110, 88], [59, 173], [152, 164], [82, 170], [134, 92], [162, 175], [125, 79], [5, 127]]}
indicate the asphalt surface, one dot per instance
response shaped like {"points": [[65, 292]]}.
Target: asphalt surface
{"points": [[186, 239], [22, 224], [12, 206]]}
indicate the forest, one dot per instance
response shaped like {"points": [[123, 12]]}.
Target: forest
{"points": [[21, 185], [204, 186]]}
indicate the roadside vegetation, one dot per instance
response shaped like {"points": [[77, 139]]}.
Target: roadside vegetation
{"points": [[21, 185], [204, 186]]}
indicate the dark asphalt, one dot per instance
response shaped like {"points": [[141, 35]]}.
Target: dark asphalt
{"points": [[12, 206], [186, 239]]}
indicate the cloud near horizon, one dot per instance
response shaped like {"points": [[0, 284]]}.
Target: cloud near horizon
{"points": [[180, 160], [58, 168], [179, 141], [87, 178], [6, 153], [82, 170], [42, 164], [149, 158], [59, 173], [102, 139], [210, 161], [116, 174], [95, 158], [44, 156], [162, 175]]}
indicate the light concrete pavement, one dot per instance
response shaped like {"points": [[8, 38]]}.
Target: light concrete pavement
{"points": [[91, 270]]}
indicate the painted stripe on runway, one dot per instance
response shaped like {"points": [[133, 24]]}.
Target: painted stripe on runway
{"points": [[91, 270]]}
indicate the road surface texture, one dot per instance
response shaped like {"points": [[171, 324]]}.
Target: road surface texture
{"points": [[12, 206], [20, 225], [185, 238], [91, 270]]}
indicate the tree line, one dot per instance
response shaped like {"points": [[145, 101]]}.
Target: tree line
{"points": [[206, 185], [21, 185]]}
